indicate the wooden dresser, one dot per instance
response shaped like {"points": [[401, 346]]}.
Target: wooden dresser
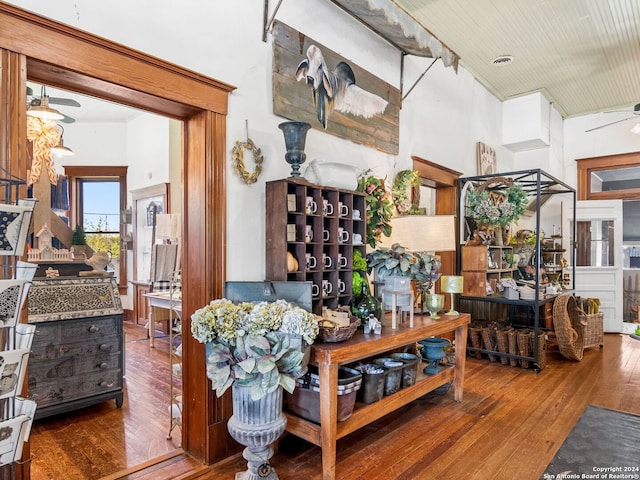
{"points": [[77, 354]]}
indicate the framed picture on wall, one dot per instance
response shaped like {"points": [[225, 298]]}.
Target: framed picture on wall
{"points": [[147, 203], [486, 156]]}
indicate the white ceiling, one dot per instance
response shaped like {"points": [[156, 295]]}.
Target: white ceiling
{"points": [[584, 55]]}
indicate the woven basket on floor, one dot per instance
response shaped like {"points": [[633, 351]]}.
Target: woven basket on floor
{"points": [[475, 340], [592, 329], [568, 328], [489, 340], [502, 336], [513, 346]]}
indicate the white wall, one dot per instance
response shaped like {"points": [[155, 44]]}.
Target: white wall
{"points": [[441, 120], [604, 141]]}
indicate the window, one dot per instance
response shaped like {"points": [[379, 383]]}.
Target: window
{"points": [[97, 196]]}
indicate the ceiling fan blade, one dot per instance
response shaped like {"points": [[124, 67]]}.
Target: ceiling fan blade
{"points": [[611, 123], [64, 101], [67, 119]]}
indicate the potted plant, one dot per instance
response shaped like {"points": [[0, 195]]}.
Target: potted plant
{"points": [[251, 344], [396, 267], [251, 348], [78, 243]]}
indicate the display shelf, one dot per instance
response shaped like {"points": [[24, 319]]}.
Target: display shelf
{"points": [[317, 227], [329, 356], [539, 186]]}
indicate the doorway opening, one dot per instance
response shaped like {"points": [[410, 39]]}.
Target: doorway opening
{"points": [[109, 139]]}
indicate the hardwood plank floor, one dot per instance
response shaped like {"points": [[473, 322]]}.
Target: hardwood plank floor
{"points": [[100, 440], [510, 425]]}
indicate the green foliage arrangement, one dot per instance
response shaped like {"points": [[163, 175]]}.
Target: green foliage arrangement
{"points": [[358, 277], [379, 207], [398, 261], [405, 179], [78, 236], [251, 343], [511, 205]]}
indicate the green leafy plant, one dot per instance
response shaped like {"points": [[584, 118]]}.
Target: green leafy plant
{"points": [[78, 237], [393, 261], [358, 277], [379, 207], [251, 344]]}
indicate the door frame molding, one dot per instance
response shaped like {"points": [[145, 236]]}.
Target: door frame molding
{"points": [[49, 52]]}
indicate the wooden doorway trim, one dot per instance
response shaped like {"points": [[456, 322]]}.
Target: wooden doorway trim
{"points": [[587, 166], [445, 181], [58, 55]]}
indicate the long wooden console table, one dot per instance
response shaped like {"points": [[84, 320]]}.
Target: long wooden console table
{"points": [[329, 356]]}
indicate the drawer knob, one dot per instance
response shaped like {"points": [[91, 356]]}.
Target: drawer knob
{"points": [[103, 346], [93, 329], [103, 365], [104, 384], [64, 349]]}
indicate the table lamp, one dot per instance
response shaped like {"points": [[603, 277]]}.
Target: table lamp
{"points": [[423, 233], [451, 284]]}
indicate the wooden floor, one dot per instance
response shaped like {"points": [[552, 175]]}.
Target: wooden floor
{"points": [[510, 424], [98, 441]]}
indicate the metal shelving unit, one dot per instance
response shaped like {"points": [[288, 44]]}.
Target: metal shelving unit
{"points": [[540, 186]]}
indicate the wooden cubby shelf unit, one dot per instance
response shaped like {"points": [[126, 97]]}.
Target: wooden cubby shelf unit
{"points": [[326, 235]]}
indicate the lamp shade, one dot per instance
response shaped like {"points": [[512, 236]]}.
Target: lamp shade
{"points": [[451, 283], [423, 233]]}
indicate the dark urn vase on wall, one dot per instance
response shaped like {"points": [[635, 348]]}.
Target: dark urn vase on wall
{"points": [[295, 134]]}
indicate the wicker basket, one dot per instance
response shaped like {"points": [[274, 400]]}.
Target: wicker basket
{"points": [[502, 337], [569, 331], [592, 329], [331, 333]]}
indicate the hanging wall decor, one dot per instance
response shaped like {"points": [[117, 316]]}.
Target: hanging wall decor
{"points": [[237, 153], [314, 84], [487, 163]]}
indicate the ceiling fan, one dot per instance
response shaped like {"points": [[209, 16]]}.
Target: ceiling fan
{"points": [[635, 113], [44, 100]]}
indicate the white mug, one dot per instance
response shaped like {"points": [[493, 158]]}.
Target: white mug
{"points": [[310, 261], [327, 288], [308, 233], [357, 239], [327, 208], [325, 235], [315, 289], [343, 235], [342, 260], [356, 214], [311, 206], [327, 260], [341, 285], [344, 210]]}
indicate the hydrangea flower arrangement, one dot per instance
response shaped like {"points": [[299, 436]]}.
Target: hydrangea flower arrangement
{"points": [[254, 344]]}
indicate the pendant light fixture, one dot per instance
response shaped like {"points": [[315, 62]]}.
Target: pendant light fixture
{"points": [[43, 110], [60, 150]]}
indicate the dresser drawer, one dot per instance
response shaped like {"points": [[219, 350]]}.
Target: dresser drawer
{"points": [[72, 360], [55, 391], [53, 351], [84, 328]]}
